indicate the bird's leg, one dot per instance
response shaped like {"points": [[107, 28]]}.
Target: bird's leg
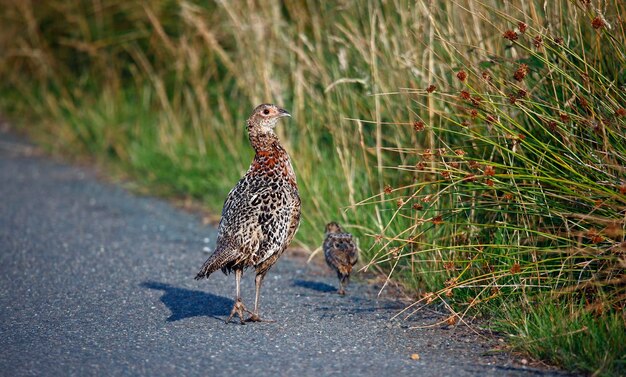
{"points": [[258, 281], [238, 308], [342, 284]]}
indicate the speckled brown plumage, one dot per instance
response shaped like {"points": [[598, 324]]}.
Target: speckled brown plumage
{"points": [[340, 252], [261, 213]]}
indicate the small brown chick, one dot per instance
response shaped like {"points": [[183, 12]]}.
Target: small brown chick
{"points": [[340, 252]]}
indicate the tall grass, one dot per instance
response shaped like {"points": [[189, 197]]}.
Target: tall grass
{"points": [[476, 147]]}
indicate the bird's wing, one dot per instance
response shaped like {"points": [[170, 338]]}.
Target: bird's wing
{"points": [[258, 208]]}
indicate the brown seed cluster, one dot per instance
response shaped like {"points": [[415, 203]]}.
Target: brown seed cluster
{"points": [[464, 95], [510, 35], [621, 112], [552, 126], [598, 23], [521, 72], [522, 26], [461, 75], [516, 268], [418, 126], [594, 236], [431, 88], [490, 171], [388, 189], [538, 41]]}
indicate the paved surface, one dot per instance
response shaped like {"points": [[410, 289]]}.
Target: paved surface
{"points": [[96, 281]]}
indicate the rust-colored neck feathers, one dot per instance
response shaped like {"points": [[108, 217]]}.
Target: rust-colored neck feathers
{"points": [[271, 159]]}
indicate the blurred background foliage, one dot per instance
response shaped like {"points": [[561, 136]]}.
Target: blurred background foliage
{"points": [[477, 148]]}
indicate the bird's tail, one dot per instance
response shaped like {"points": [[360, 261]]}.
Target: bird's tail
{"points": [[219, 259]]}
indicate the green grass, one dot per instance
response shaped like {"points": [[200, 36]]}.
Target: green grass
{"points": [[570, 336], [496, 189]]}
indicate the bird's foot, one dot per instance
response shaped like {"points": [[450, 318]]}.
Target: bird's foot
{"points": [[238, 309], [255, 318]]}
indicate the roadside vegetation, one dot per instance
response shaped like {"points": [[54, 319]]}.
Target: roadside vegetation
{"points": [[476, 148]]}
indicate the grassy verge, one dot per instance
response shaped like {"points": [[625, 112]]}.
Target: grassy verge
{"points": [[477, 148]]}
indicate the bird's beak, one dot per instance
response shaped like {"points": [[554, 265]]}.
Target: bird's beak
{"points": [[283, 113]]}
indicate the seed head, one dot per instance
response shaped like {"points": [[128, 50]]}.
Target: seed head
{"points": [[522, 27], [538, 41], [560, 41], [598, 23], [464, 94], [417, 206], [418, 126], [490, 171], [489, 182], [516, 268], [521, 72], [564, 117], [552, 125], [431, 88], [474, 113], [621, 112], [437, 220], [461, 75], [486, 76], [451, 320], [510, 35], [594, 236], [388, 189], [420, 166]]}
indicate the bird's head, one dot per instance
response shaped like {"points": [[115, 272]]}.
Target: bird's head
{"points": [[333, 227], [266, 116]]}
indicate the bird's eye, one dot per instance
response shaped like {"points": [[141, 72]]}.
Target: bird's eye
{"points": [[266, 111]]}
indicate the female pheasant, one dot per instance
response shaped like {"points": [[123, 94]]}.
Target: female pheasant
{"points": [[340, 253], [261, 213]]}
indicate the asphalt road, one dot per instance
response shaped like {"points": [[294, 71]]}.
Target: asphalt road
{"points": [[97, 281]]}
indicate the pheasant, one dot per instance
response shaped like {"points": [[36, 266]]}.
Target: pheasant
{"points": [[261, 213], [340, 252]]}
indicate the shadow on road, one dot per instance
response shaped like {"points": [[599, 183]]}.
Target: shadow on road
{"points": [[314, 285], [186, 303]]}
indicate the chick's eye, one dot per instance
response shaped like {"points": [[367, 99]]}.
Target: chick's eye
{"points": [[266, 111]]}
